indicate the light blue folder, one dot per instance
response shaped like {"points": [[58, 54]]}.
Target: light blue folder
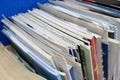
{"points": [[40, 66], [72, 73]]}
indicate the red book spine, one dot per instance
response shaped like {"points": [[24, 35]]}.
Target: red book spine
{"points": [[94, 58], [89, 0]]}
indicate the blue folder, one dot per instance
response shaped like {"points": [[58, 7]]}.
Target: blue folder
{"points": [[39, 65], [72, 73]]}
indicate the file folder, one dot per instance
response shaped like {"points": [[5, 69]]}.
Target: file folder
{"points": [[41, 67]]}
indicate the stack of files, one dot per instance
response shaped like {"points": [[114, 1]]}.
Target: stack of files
{"points": [[82, 9], [42, 65], [70, 70], [61, 50], [72, 42], [12, 69], [69, 13], [110, 18], [76, 14], [67, 32], [93, 24]]}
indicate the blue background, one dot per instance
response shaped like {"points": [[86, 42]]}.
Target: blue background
{"points": [[12, 7]]}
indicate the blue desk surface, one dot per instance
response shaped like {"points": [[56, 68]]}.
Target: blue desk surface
{"points": [[12, 7]]}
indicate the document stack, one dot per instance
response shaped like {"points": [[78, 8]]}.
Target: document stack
{"points": [[65, 40]]}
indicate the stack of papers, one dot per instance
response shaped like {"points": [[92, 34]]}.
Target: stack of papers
{"points": [[62, 43], [110, 22]]}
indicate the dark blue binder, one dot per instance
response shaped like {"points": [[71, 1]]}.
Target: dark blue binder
{"points": [[105, 59]]}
